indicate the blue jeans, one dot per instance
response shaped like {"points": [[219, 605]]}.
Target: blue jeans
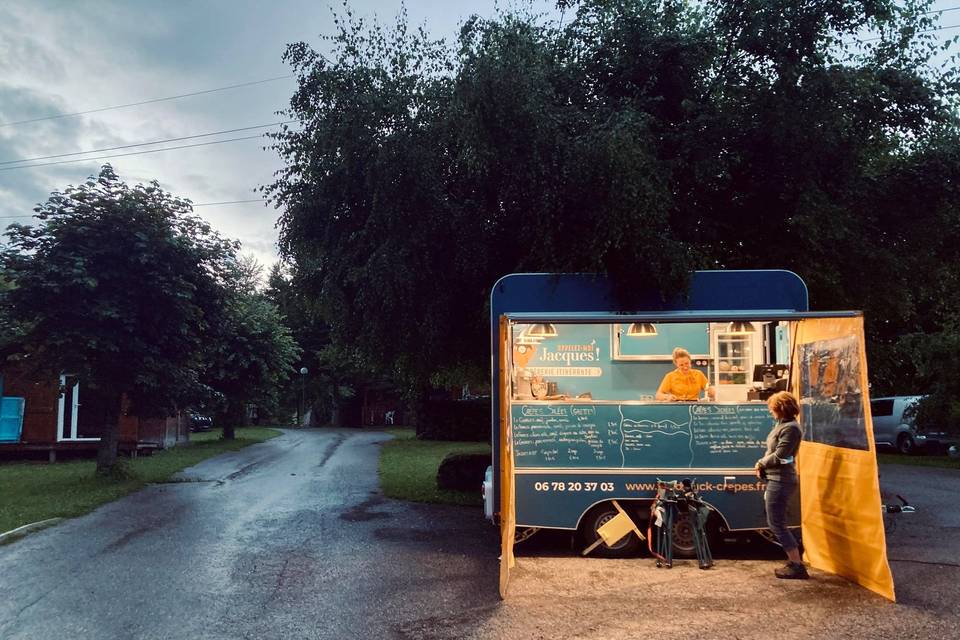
{"points": [[775, 499]]}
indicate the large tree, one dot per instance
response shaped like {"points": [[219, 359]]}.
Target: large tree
{"points": [[334, 372], [120, 286], [251, 354], [641, 139]]}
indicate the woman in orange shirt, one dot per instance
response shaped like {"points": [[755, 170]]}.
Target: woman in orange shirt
{"points": [[684, 384]]}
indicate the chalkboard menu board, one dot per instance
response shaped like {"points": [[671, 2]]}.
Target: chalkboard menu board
{"points": [[675, 435]]}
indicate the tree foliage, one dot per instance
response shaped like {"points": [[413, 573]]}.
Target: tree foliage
{"points": [[120, 286], [250, 357], [640, 139], [334, 372]]}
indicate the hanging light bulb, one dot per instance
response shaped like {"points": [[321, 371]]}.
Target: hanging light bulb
{"points": [[545, 330], [642, 330], [741, 327]]}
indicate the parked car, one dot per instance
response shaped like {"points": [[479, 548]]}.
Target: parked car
{"points": [[200, 422], [894, 429]]}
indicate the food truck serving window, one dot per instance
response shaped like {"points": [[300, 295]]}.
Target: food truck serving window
{"points": [[615, 361]]}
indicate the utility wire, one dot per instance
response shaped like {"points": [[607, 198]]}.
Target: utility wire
{"points": [[134, 104], [132, 153], [201, 204], [952, 26], [213, 204], [144, 144], [941, 10]]}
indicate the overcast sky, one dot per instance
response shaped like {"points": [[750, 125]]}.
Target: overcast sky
{"points": [[60, 57], [64, 57]]}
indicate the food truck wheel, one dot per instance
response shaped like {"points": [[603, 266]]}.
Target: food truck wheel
{"points": [[628, 546], [684, 545]]}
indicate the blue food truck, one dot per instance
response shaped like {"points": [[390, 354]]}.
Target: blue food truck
{"points": [[578, 433]]}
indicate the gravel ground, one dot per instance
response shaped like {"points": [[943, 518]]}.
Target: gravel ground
{"points": [[554, 594]]}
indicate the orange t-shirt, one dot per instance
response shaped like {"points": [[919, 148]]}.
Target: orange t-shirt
{"points": [[685, 386]]}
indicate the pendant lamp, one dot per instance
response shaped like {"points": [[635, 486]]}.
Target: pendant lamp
{"points": [[741, 327], [642, 330], [544, 330]]}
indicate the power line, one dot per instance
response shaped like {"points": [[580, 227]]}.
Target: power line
{"points": [[132, 153], [201, 204], [144, 144], [135, 104], [941, 10], [213, 204], [952, 26]]}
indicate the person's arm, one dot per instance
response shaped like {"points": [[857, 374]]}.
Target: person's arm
{"points": [[785, 449], [710, 392], [663, 391]]}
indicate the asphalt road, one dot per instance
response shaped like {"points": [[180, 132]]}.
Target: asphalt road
{"points": [[290, 539], [285, 539]]}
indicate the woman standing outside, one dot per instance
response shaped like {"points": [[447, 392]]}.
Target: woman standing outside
{"points": [[778, 468], [684, 383]]}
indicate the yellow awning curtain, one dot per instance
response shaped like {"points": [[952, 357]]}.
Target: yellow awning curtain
{"points": [[508, 512], [839, 486]]}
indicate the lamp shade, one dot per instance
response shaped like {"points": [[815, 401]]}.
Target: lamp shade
{"points": [[545, 330], [740, 326], [642, 330]]}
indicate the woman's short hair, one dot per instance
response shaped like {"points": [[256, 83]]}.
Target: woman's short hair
{"points": [[680, 352], [784, 404]]}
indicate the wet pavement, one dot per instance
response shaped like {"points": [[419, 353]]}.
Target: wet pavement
{"points": [[285, 539], [291, 539]]}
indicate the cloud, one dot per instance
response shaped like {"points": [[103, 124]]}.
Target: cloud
{"points": [[62, 56], [19, 50]]}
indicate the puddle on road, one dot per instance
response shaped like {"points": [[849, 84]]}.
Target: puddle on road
{"points": [[362, 513]]}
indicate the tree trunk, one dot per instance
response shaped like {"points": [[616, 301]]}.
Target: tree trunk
{"points": [[416, 409], [110, 437], [334, 410], [234, 417]]}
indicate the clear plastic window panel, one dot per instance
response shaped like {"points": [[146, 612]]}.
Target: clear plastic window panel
{"points": [[831, 397]]}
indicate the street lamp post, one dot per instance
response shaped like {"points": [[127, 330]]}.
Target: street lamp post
{"points": [[303, 393]]}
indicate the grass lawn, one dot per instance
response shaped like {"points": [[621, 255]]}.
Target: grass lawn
{"points": [[944, 462], [31, 492], [408, 468]]}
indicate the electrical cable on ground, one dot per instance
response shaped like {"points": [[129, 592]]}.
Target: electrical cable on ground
{"points": [[938, 564]]}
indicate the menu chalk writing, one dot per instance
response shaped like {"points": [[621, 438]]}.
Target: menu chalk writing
{"points": [[662, 436]]}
